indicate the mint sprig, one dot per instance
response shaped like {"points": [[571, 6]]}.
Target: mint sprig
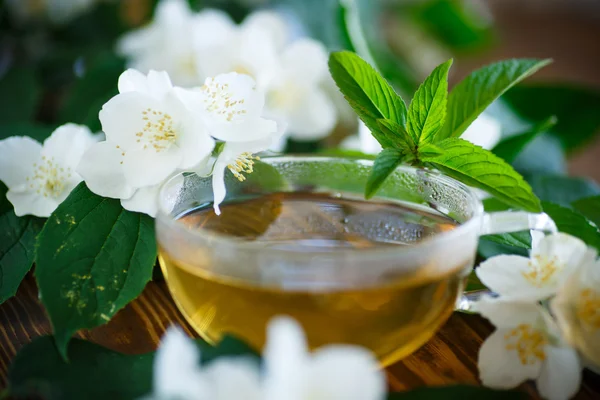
{"points": [[427, 110], [426, 134]]}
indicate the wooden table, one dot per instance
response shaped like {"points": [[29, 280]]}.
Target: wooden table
{"points": [[449, 358]]}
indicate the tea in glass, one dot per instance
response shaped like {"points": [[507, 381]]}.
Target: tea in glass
{"points": [[392, 317]]}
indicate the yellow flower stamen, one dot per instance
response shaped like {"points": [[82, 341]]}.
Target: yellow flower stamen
{"points": [[541, 272], [528, 343], [158, 132], [588, 308], [243, 163]]}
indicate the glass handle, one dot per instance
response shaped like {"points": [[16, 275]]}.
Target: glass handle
{"points": [[505, 222], [515, 221]]}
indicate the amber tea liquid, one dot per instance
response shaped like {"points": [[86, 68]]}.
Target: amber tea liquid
{"points": [[392, 319]]}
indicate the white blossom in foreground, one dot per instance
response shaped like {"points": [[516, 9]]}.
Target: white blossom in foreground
{"points": [[536, 277], [334, 372], [177, 373], [39, 177], [150, 135], [577, 309], [289, 372], [526, 345]]}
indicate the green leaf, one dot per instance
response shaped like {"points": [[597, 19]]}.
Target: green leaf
{"points": [[90, 92], [427, 110], [35, 131], [458, 392], [573, 223], [95, 372], [396, 134], [385, 163], [575, 107], [478, 90], [370, 96], [589, 207], [487, 248], [504, 243], [562, 190], [19, 95], [510, 147], [516, 239], [229, 346], [480, 168], [93, 258], [17, 245]]}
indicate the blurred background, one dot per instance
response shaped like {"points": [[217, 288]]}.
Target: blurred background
{"points": [[60, 61]]}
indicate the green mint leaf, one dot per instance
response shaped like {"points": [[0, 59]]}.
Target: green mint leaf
{"points": [[458, 392], [478, 90], [575, 107], [573, 223], [95, 372], [93, 257], [396, 134], [427, 110], [385, 163], [480, 168], [509, 148], [366, 91], [19, 95], [17, 245], [589, 207], [562, 190]]}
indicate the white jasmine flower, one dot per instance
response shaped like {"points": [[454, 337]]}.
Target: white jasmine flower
{"points": [[177, 373], [239, 159], [270, 22], [296, 95], [289, 372], [577, 308], [485, 131], [536, 277], [150, 134], [232, 108], [171, 42], [250, 48], [335, 372], [40, 177], [526, 346]]}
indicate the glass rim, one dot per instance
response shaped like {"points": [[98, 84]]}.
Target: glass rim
{"points": [[239, 244]]}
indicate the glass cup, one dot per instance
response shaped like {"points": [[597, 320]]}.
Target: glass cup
{"points": [[389, 299]]}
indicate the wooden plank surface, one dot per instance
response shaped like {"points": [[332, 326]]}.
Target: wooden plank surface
{"points": [[449, 358]]}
